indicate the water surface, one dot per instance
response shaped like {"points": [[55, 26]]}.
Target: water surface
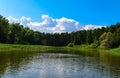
{"points": [[58, 65]]}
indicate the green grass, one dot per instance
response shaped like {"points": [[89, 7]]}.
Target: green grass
{"points": [[20, 47], [89, 49], [41, 48], [115, 51]]}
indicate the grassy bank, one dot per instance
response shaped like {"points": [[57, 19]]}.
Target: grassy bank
{"points": [[20, 47], [115, 51], [89, 49], [40, 48]]}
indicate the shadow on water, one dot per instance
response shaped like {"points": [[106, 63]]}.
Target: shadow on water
{"points": [[72, 64]]}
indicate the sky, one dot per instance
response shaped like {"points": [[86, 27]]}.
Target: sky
{"points": [[61, 15]]}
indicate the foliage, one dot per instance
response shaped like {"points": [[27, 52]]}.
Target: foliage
{"points": [[95, 44], [3, 29], [106, 40], [70, 45]]}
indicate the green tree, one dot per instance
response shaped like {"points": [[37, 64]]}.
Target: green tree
{"points": [[37, 39], [29, 36], [106, 40], [16, 33], [89, 38], [3, 29]]}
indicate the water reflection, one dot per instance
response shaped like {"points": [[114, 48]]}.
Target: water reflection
{"points": [[112, 66], [58, 65]]}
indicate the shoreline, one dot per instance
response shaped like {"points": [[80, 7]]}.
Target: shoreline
{"points": [[43, 48]]}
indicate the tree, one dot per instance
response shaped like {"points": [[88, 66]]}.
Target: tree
{"points": [[16, 33], [89, 38], [106, 40], [107, 37], [29, 36], [117, 37], [3, 29], [37, 39]]}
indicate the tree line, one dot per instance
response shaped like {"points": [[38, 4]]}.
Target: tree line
{"points": [[106, 37]]}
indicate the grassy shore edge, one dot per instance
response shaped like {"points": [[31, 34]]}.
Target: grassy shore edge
{"points": [[20, 47]]}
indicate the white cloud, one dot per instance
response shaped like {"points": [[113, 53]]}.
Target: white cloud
{"points": [[91, 27], [12, 19], [50, 24], [24, 21]]}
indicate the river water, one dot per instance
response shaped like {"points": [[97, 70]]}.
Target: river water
{"points": [[58, 65]]}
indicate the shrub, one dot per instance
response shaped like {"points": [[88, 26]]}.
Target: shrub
{"points": [[70, 45], [95, 44], [106, 40]]}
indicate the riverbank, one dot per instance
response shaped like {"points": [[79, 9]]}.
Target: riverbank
{"points": [[111, 51], [41, 48], [115, 51], [29, 48]]}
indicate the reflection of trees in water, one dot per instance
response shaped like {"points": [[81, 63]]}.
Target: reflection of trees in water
{"points": [[4, 60], [101, 62], [112, 64], [12, 61]]}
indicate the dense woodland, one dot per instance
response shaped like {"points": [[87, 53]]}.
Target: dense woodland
{"points": [[106, 37]]}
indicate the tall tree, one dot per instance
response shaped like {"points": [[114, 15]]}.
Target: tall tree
{"points": [[89, 38], [16, 33], [3, 29], [107, 40]]}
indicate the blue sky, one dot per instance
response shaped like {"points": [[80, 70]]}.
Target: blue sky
{"points": [[85, 12]]}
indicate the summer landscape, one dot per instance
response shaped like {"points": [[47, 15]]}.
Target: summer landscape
{"points": [[71, 39]]}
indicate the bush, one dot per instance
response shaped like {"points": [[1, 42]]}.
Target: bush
{"points": [[70, 45], [95, 44], [107, 40]]}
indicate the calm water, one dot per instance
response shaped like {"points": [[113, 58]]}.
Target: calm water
{"points": [[58, 65]]}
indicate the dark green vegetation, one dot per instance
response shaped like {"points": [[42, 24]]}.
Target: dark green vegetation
{"points": [[106, 37]]}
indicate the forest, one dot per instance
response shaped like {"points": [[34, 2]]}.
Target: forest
{"points": [[105, 37]]}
